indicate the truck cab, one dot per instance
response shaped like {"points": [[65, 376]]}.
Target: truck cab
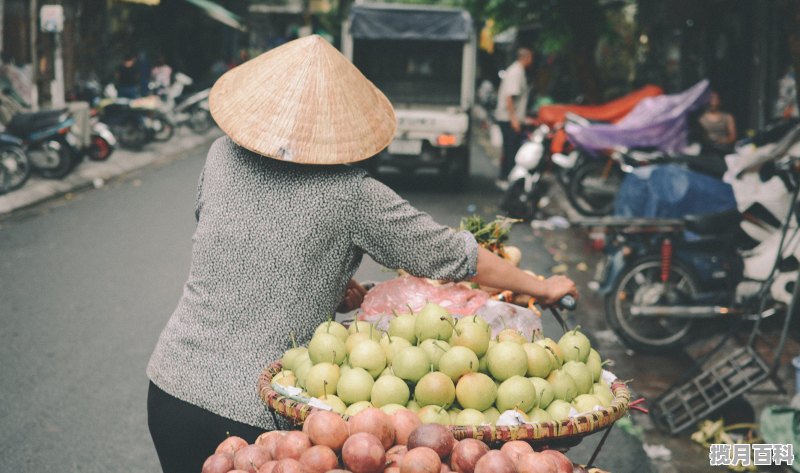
{"points": [[423, 59]]}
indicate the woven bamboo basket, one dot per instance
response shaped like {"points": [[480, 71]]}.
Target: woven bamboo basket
{"points": [[556, 435]]}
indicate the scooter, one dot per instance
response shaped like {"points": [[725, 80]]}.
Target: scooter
{"points": [[44, 138], [15, 168], [662, 276], [187, 110]]}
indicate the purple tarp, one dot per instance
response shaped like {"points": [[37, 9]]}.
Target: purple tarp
{"points": [[656, 122]]}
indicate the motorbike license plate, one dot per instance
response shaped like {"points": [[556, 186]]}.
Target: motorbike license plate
{"points": [[407, 147]]}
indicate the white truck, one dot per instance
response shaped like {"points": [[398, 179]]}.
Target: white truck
{"points": [[423, 59]]}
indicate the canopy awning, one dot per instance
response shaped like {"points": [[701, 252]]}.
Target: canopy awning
{"points": [[220, 13], [381, 21]]}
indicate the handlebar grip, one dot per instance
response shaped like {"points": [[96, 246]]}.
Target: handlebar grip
{"points": [[568, 302]]}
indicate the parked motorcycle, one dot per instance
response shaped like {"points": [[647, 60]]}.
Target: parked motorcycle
{"points": [[662, 276], [15, 168], [187, 109], [548, 148], [44, 138]]}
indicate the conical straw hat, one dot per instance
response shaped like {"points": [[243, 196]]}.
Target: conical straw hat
{"points": [[303, 102]]}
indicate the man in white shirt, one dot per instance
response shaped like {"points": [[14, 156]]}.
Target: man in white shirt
{"points": [[512, 103]]}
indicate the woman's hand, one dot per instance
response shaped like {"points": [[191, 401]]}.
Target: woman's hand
{"points": [[554, 288], [353, 297]]}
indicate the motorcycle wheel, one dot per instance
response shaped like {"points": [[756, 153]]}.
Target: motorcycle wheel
{"points": [[200, 120], [164, 129], [641, 284], [132, 134], [517, 203], [15, 168], [99, 149], [60, 161], [593, 188]]}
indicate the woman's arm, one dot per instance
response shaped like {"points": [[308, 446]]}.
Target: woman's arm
{"points": [[496, 272]]}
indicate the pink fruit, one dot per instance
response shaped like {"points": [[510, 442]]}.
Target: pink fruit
{"points": [[364, 453], [466, 454], [421, 460]]}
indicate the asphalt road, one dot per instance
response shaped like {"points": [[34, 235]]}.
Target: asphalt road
{"points": [[88, 281]]}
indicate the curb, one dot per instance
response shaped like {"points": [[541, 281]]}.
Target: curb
{"points": [[88, 173]]}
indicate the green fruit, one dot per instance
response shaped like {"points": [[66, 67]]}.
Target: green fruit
{"points": [[362, 326], [539, 362], [389, 390], [413, 405], [433, 415], [411, 364], [595, 365], [507, 359], [603, 393], [557, 358], [564, 386], [435, 349], [326, 348], [353, 340], [586, 403], [580, 374], [285, 378], [470, 417], [403, 326], [433, 322], [334, 328], [559, 410], [476, 391], [355, 385], [302, 371], [389, 408], [575, 346], [336, 404], [544, 392], [370, 356], [538, 415], [393, 345], [473, 320], [510, 335], [458, 361], [435, 389], [472, 335], [453, 413], [322, 379], [483, 365], [357, 407], [289, 360], [492, 414], [516, 393]]}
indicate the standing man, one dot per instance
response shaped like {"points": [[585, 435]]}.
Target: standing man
{"points": [[512, 103]]}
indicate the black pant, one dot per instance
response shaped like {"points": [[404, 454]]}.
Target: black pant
{"points": [[511, 143], [185, 435]]}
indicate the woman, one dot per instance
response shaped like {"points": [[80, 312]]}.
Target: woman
{"points": [[719, 128], [282, 227]]}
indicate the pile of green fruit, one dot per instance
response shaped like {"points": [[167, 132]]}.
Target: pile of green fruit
{"points": [[447, 372]]}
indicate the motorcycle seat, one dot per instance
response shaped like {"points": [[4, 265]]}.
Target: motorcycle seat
{"points": [[23, 124], [713, 224]]}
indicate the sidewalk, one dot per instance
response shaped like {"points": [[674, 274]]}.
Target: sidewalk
{"points": [[91, 173]]}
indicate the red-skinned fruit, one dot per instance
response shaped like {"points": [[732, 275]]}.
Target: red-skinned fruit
{"points": [[364, 453], [376, 422], [466, 454], [421, 460]]}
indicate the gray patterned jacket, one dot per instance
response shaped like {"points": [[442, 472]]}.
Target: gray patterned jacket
{"points": [[275, 245]]}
